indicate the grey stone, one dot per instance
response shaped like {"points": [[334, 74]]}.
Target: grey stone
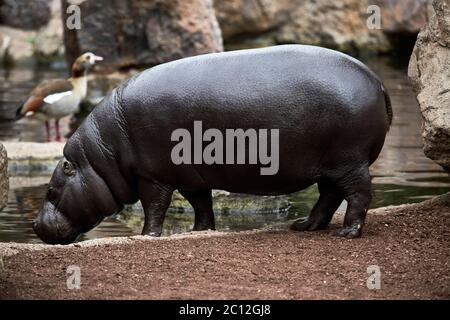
{"points": [[430, 75]]}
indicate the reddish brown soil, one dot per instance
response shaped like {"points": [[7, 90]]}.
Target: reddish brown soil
{"points": [[411, 244]]}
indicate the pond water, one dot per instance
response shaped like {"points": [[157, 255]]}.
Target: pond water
{"points": [[402, 174]]}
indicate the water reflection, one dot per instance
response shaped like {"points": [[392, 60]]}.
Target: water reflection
{"points": [[232, 213]]}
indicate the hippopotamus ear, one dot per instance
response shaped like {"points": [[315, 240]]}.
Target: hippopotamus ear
{"points": [[68, 168]]}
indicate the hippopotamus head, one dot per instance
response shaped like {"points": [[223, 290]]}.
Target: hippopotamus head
{"points": [[77, 200]]}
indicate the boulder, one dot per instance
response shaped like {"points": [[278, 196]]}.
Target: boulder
{"points": [[4, 182], [139, 32], [337, 24], [430, 75], [30, 33], [237, 17], [25, 14], [404, 16]]}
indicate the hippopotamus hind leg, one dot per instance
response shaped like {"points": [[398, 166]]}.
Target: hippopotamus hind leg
{"points": [[320, 216], [155, 199], [356, 188], [201, 201]]}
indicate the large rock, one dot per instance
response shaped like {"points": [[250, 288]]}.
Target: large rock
{"points": [[25, 14], [430, 76], [251, 17], [4, 182], [338, 24], [144, 32], [404, 16], [30, 30]]}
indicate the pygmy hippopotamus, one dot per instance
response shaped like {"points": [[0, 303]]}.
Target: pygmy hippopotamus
{"points": [[326, 112]]}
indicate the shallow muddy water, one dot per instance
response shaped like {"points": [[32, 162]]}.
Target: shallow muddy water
{"points": [[402, 174]]}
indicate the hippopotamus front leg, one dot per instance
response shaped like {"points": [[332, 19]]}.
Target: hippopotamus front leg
{"points": [[322, 212], [155, 199], [201, 201]]}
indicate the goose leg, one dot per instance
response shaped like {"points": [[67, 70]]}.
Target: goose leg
{"points": [[47, 128], [58, 135]]}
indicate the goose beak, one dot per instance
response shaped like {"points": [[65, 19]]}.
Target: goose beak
{"points": [[98, 58]]}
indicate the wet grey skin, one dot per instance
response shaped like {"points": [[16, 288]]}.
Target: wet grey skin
{"points": [[332, 113]]}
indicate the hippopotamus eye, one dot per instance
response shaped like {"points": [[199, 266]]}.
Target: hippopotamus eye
{"points": [[68, 168], [51, 194]]}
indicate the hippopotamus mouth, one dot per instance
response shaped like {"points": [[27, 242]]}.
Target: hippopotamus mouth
{"points": [[52, 227]]}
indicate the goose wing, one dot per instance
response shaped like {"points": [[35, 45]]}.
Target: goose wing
{"points": [[49, 92]]}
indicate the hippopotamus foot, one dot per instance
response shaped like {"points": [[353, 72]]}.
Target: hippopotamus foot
{"points": [[306, 224], [356, 189], [201, 201], [322, 212], [155, 199], [353, 231]]}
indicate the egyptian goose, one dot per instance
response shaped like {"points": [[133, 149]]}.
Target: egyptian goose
{"points": [[55, 99]]}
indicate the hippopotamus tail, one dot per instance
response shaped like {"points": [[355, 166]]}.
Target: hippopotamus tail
{"points": [[388, 103]]}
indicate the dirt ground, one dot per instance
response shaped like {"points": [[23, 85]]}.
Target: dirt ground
{"points": [[410, 244]]}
